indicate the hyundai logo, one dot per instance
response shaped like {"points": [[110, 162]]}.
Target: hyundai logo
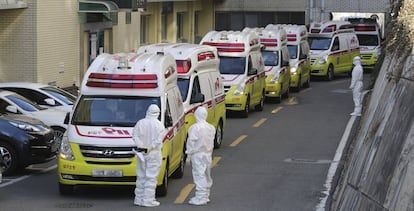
{"points": [[108, 152]]}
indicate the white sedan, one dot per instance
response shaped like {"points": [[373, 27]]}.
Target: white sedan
{"points": [[14, 103], [44, 95]]}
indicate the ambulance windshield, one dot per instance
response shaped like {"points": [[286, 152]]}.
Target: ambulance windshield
{"points": [[271, 58], [368, 40], [293, 51], [232, 65], [183, 85], [121, 111], [319, 43]]}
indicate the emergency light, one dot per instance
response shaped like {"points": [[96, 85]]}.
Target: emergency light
{"points": [[268, 42], [227, 47], [183, 66], [364, 28], [291, 37], [123, 81]]}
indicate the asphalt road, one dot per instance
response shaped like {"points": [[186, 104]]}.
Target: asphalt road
{"points": [[277, 159]]}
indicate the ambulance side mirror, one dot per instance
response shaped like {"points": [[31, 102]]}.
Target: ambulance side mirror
{"points": [[252, 71], [66, 121], [168, 121], [285, 63], [303, 56], [198, 98]]}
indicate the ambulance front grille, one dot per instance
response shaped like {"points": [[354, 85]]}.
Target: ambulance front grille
{"points": [[107, 152], [366, 56]]}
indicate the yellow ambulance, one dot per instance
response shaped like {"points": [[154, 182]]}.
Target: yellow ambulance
{"points": [[333, 45], [199, 81], [115, 93], [241, 67], [275, 55]]}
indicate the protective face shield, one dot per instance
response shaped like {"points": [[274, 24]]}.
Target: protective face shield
{"points": [[357, 60], [201, 114], [153, 111]]}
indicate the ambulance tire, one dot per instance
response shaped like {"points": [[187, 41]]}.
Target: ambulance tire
{"points": [[307, 84], [66, 189], [245, 112], [179, 172], [297, 89], [286, 94], [162, 189], [260, 106], [330, 74], [219, 135]]}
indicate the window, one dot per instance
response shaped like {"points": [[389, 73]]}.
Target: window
{"points": [[144, 29], [180, 26], [164, 27], [128, 18], [335, 45]]}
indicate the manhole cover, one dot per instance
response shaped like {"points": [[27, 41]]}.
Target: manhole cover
{"points": [[74, 205]]}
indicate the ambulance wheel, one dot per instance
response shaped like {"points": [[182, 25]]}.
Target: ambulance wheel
{"points": [[286, 94], [219, 135], [307, 84], [245, 112], [260, 106], [330, 73], [297, 89], [66, 189], [162, 189]]}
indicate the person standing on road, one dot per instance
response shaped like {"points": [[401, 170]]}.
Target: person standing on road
{"points": [[148, 135], [357, 85], [200, 146]]}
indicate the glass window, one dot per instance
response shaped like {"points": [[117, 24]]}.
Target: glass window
{"points": [[293, 51], [183, 85], [232, 65], [144, 29], [270, 58], [24, 103], [319, 43], [62, 95]]}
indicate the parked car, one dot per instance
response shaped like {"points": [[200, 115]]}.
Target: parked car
{"points": [[12, 102], [24, 141], [44, 95]]}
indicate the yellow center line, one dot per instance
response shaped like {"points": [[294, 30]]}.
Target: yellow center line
{"points": [[305, 90], [184, 193], [215, 161], [292, 99], [238, 140], [277, 109], [260, 122]]}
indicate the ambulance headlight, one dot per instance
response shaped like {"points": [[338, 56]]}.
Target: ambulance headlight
{"points": [[65, 149], [322, 60], [239, 89], [293, 70], [274, 80]]}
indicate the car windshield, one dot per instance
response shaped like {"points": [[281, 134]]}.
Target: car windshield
{"points": [[319, 43], [62, 95], [183, 85], [232, 65], [293, 51], [112, 110], [24, 103], [368, 40], [270, 58]]}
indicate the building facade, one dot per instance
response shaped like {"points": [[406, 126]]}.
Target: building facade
{"points": [[54, 42]]}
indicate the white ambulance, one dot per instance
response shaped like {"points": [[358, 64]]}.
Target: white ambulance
{"points": [[115, 93], [199, 81], [297, 42], [241, 67], [369, 37], [333, 45], [275, 55]]}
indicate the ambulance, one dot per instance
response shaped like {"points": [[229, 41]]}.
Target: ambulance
{"points": [[115, 93], [275, 55], [199, 81], [297, 43], [333, 45], [241, 67], [369, 37]]}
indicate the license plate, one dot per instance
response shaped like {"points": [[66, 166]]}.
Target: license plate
{"points": [[107, 173]]}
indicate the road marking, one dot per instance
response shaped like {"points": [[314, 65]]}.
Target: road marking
{"points": [[215, 161], [305, 90], [277, 109], [292, 101], [260, 122], [184, 193], [238, 140], [188, 188], [12, 181], [7, 182], [308, 161], [334, 164]]}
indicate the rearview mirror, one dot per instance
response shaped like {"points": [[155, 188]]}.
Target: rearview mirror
{"points": [[50, 101], [252, 71], [12, 109]]}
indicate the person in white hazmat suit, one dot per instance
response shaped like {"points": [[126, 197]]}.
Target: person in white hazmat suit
{"points": [[200, 146], [148, 135], [357, 85]]}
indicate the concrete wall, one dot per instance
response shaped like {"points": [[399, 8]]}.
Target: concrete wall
{"points": [[379, 173]]}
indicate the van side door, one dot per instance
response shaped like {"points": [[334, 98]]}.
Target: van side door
{"points": [[206, 85]]}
